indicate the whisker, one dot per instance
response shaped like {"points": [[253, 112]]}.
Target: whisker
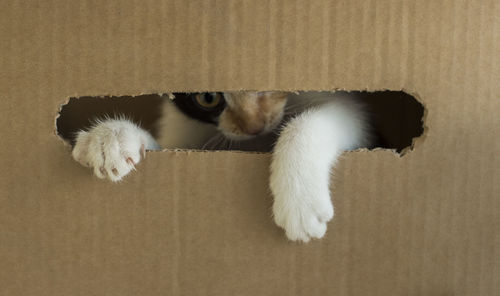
{"points": [[223, 144], [219, 141], [210, 141], [213, 143]]}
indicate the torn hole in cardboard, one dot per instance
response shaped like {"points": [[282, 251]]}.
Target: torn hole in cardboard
{"points": [[397, 118]]}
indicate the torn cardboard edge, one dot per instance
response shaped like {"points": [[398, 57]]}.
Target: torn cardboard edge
{"points": [[415, 140]]}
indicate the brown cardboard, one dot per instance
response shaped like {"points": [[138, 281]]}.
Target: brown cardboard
{"points": [[198, 223]]}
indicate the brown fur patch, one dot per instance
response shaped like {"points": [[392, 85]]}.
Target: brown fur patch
{"points": [[252, 113]]}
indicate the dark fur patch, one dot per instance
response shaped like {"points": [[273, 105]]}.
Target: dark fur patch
{"points": [[188, 104]]}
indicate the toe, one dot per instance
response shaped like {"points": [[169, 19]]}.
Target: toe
{"points": [[100, 172], [325, 212], [297, 234], [314, 227]]}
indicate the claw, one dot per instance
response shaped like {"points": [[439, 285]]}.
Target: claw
{"points": [[143, 151], [130, 161], [103, 171], [115, 171]]}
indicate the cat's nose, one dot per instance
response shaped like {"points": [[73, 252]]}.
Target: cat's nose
{"points": [[254, 128]]}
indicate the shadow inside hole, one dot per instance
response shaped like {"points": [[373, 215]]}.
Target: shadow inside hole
{"points": [[397, 116], [80, 113]]}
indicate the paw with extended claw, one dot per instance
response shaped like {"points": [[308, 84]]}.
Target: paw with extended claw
{"points": [[112, 148]]}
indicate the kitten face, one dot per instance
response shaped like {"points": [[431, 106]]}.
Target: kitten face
{"points": [[238, 115], [248, 114]]}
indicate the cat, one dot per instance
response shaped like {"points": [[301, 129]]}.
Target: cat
{"points": [[309, 131]]}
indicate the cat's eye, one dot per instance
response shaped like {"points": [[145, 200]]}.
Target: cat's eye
{"points": [[209, 100]]}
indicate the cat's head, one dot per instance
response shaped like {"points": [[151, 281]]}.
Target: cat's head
{"points": [[238, 115], [248, 113]]}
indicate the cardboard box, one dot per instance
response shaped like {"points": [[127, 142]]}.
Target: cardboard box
{"points": [[198, 223]]}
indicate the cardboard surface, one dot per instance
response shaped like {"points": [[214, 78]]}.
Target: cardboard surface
{"points": [[195, 223]]}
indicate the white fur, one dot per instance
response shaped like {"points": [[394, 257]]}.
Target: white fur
{"points": [[305, 152], [112, 147], [307, 149]]}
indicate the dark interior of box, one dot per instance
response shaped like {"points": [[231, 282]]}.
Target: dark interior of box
{"points": [[397, 116]]}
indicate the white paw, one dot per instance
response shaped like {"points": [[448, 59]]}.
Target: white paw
{"points": [[303, 216], [111, 148]]}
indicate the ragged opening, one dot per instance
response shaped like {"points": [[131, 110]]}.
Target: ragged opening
{"points": [[396, 118]]}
